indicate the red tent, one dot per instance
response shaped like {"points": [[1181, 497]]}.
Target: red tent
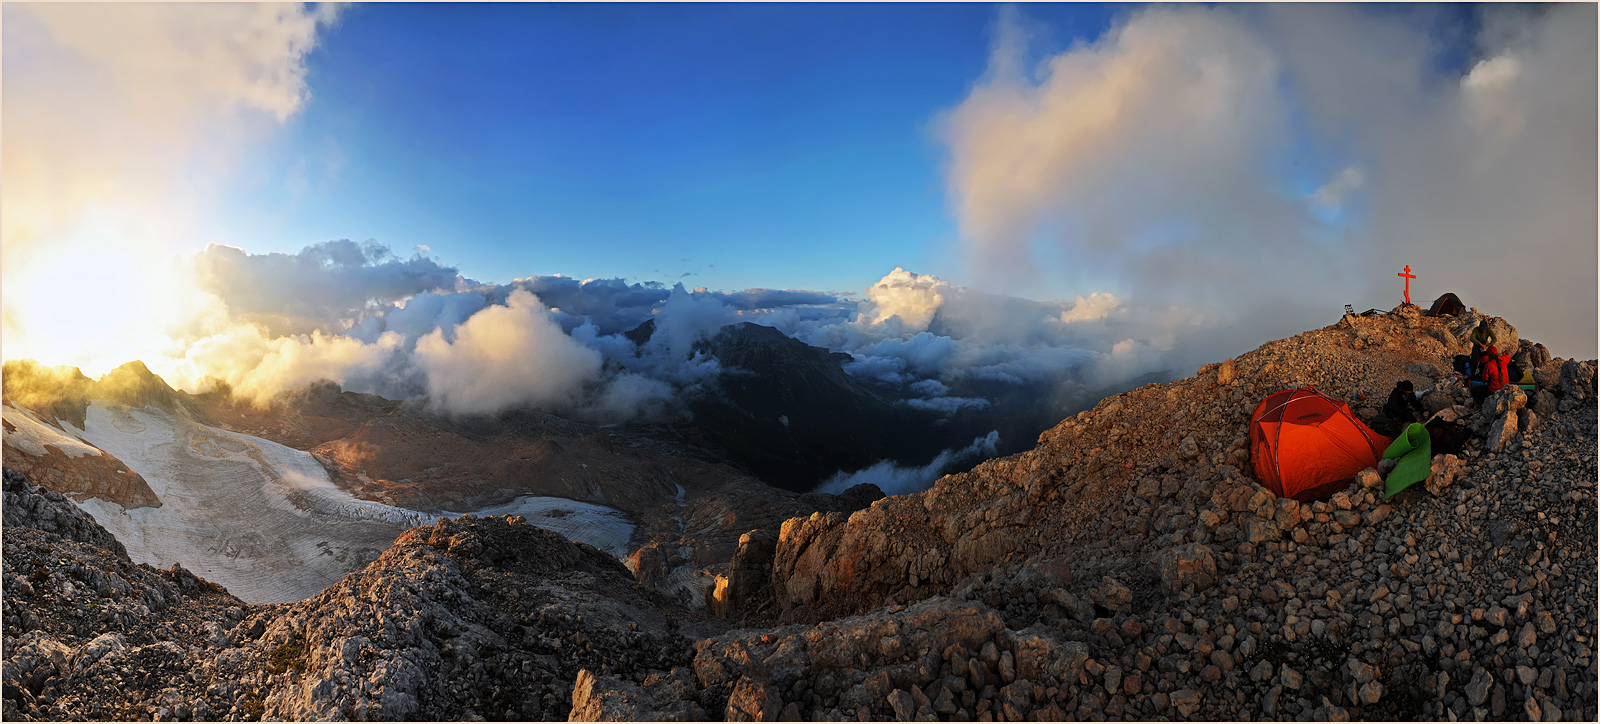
{"points": [[1306, 445]]}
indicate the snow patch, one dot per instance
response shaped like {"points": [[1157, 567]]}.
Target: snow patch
{"points": [[263, 519], [30, 435], [599, 526]]}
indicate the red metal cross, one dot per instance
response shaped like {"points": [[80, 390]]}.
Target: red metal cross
{"points": [[1408, 276]]}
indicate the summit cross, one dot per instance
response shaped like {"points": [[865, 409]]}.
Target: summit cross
{"points": [[1408, 276]]}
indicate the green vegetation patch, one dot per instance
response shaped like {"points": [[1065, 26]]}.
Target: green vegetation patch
{"points": [[286, 657]]}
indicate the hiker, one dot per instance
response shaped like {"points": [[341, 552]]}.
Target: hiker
{"points": [[1403, 406], [1482, 337], [1488, 374]]}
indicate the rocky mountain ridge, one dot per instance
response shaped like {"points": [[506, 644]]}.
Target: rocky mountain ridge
{"points": [[1128, 567]]}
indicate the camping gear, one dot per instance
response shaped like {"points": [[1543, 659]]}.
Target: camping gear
{"points": [[1447, 437], [1306, 445], [1514, 372], [1414, 450], [1463, 365], [1448, 304]]}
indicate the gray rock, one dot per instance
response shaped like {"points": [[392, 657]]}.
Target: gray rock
{"points": [[753, 701], [1186, 701], [1577, 381], [905, 707], [1189, 564], [1502, 431], [1478, 687]]}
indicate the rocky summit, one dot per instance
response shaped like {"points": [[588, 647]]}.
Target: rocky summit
{"points": [[1128, 567]]}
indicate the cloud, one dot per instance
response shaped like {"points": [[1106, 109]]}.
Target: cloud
{"points": [[325, 286], [910, 299], [121, 122], [1096, 306], [894, 479], [1265, 165], [945, 406], [506, 356], [257, 366]]}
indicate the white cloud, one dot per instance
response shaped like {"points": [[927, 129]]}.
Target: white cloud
{"points": [[505, 356], [1096, 306], [912, 298], [1163, 155], [122, 121], [895, 479]]}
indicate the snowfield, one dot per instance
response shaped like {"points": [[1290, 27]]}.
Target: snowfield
{"points": [[30, 435], [263, 519]]}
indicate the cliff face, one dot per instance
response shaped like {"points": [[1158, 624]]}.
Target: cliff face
{"points": [[1128, 567]]}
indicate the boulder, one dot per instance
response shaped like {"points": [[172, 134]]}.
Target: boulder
{"points": [[1494, 408], [1424, 369], [1111, 594], [1225, 373], [1577, 382], [1443, 472], [1543, 402], [753, 701], [1548, 375], [1502, 432], [648, 564], [748, 583], [1190, 564], [606, 698]]}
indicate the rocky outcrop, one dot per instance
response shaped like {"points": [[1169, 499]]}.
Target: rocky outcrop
{"points": [[747, 587], [26, 505], [1129, 567], [660, 697], [492, 617], [90, 635], [473, 615], [1199, 594]]}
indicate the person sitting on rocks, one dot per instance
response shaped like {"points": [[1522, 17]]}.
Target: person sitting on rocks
{"points": [[1482, 338], [1403, 407]]}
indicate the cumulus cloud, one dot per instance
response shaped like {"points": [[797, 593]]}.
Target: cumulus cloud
{"points": [[505, 356], [257, 366], [1265, 165], [895, 479], [1096, 306], [908, 299]]}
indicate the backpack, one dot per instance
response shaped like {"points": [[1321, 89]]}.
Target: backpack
{"points": [[1463, 365], [1447, 437], [1513, 372]]}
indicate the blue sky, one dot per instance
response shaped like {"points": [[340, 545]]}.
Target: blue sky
{"points": [[746, 145]]}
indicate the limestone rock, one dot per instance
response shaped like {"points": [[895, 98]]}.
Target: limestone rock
{"points": [[1502, 432], [1190, 564], [1111, 594], [1443, 472], [753, 701]]}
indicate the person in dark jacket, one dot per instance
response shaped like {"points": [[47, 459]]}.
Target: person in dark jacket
{"points": [[1482, 338], [1403, 406]]}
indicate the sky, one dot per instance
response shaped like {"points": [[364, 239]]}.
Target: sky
{"points": [[469, 203], [738, 144]]}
